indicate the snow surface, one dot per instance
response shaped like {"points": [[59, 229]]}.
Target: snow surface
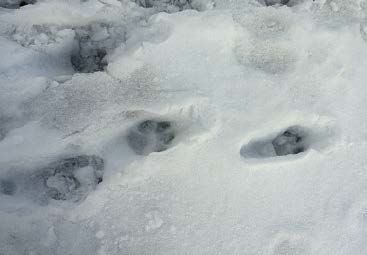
{"points": [[259, 136]]}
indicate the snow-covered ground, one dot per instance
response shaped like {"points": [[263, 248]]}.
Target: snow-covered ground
{"points": [[183, 127]]}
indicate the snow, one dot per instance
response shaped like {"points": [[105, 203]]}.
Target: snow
{"points": [[183, 127]]}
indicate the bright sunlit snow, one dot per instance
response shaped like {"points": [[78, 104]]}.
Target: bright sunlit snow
{"points": [[183, 127]]}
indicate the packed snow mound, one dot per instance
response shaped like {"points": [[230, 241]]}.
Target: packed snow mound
{"points": [[183, 127]]}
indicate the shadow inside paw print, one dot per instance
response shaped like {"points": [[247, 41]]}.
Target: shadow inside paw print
{"points": [[7, 187], [65, 179], [176, 5], [293, 140], [289, 3], [151, 136], [90, 62], [72, 178], [15, 4], [89, 54], [275, 2]]}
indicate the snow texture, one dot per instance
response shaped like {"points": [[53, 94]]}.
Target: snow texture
{"points": [[183, 127]]}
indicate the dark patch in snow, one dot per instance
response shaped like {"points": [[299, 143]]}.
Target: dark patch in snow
{"points": [[274, 2], [15, 4], [7, 187], [69, 179], [289, 3], [293, 140], [2, 134], [87, 57], [176, 5], [151, 136], [62, 181], [92, 44]]}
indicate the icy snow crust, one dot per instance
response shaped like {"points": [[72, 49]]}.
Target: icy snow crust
{"points": [[154, 127]]}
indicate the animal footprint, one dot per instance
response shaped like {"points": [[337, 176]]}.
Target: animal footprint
{"points": [[293, 140], [72, 178], [151, 136], [65, 179]]}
